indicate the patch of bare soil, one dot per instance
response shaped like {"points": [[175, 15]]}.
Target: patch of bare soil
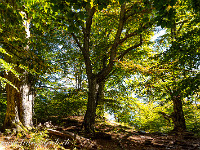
{"points": [[5, 142]]}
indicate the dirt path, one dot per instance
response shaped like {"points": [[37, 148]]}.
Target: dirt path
{"points": [[2, 146], [113, 136]]}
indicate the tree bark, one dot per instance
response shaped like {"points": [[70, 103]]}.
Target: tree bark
{"points": [[13, 102], [89, 119], [178, 115], [19, 102], [100, 92], [95, 95]]}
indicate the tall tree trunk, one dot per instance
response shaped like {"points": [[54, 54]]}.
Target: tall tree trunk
{"points": [[89, 119], [178, 115], [28, 96], [13, 102], [95, 79], [19, 102], [100, 99], [95, 95]]}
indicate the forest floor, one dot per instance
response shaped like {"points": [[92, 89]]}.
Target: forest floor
{"points": [[110, 136]]}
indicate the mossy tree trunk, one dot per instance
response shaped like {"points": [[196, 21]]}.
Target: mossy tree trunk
{"points": [[19, 101]]}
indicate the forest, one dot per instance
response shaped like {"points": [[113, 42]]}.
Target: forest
{"points": [[100, 74]]}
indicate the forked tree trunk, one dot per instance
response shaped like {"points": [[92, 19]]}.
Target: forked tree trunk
{"points": [[94, 85], [178, 115], [19, 103]]}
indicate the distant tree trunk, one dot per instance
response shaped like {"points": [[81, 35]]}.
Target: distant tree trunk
{"points": [[78, 76], [100, 99], [178, 115], [19, 103], [80, 80]]}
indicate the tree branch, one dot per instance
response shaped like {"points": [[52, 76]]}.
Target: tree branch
{"points": [[166, 116], [86, 33], [102, 74], [77, 42], [134, 13], [128, 36], [132, 34], [130, 48]]}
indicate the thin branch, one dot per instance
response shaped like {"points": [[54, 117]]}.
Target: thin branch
{"points": [[134, 13], [128, 36], [167, 88], [77, 42], [184, 21], [118, 34], [11, 47], [132, 34]]}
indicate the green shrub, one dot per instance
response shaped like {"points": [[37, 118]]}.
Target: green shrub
{"points": [[58, 104]]}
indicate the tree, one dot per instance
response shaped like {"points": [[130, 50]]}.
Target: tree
{"points": [[20, 96], [176, 71], [184, 54], [104, 31]]}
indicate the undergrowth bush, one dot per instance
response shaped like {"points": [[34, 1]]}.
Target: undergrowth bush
{"points": [[147, 116], [56, 105], [192, 117]]}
